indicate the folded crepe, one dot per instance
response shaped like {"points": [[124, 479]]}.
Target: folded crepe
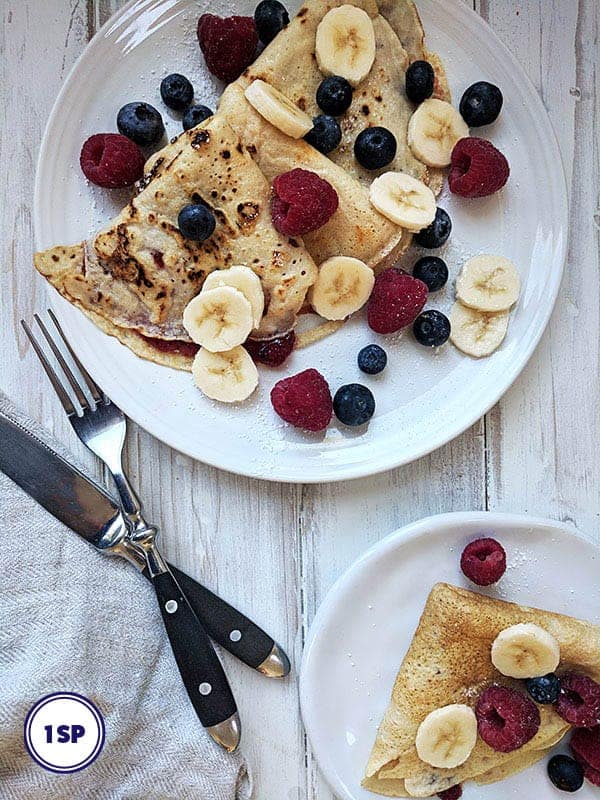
{"points": [[448, 662], [136, 277]]}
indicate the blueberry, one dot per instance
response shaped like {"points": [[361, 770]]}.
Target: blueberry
{"points": [[481, 104], [195, 115], [141, 123], [565, 773], [270, 17], [196, 222], [432, 271], [372, 359], [326, 134], [436, 234], [375, 148], [176, 91], [334, 95], [354, 404], [431, 328], [419, 81], [544, 690]]}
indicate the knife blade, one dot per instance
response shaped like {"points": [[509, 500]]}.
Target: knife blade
{"points": [[72, 498]]}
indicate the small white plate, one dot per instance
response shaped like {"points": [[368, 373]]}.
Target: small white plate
{"points": [[424, 398], [365, 625]]}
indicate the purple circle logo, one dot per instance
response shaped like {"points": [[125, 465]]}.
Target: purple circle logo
{"points": [[64, 732]]}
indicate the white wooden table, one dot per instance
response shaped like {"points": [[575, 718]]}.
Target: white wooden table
{"points": [[274, 549]]}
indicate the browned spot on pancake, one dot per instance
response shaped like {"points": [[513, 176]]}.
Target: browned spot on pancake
{"points": [[157, 257], [214, 194], [199, 138], [294, 243], [226, 154], [248, 213], [251, 149], [160, 295], [72, 255], [239, 147], [379, 98], [365, 110], [151, 217], [302, 104], [99, 296], [54, 257], [303, 12]]}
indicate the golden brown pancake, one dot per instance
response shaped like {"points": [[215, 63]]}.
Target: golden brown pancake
{"points": [[448, 662], [140, 272]]}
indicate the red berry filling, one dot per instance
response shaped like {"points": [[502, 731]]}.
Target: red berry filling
{"points": [[477, 168], [483, 561], [585, 744], [506, 719], [592, 775], [304, 400], [579, 700], [396, 301], [111, 160], [302, 202], [273, 352], [453, 793], [228, 44]]}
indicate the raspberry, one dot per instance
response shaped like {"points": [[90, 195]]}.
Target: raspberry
{"points": [[273, 352], [579, 700], [506, 719], [483, 561], [111, 160], [592, 775], [302, 202], [453, 793], [228, 44], [396, 301], [585, 744], [477, 168], [304, 400]]}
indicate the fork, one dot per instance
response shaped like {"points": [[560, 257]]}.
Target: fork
{"points": [[101, 426]]}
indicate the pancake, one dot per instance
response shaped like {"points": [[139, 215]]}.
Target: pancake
{"points": [[449, 661], [140, 272]]}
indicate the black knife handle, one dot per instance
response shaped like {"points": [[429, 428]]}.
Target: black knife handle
{"points": [[225, 624], [199, 665]]}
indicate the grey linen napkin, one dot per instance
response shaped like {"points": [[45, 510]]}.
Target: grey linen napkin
{"points": [[74, 620]]}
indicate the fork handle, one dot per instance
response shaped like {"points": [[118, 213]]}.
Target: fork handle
{"points": [[235, 632]]}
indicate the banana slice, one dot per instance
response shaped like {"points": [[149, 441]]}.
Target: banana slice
{"points": [[230, 376], [278, 110], [488, 283], [343, 286], [244, 280], [525, 651], [218, 319], [345, 44], [447, 736], [433, 130], [403, 200], [477, 333]]}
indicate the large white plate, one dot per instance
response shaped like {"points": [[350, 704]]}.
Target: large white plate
{"points": [[424, 399], [365, 625]]}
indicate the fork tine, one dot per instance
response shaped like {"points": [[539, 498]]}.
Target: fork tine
{"points": [[75, 385], [95, 390], [54, 379]]}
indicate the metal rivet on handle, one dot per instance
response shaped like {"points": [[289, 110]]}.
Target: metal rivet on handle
{"points": [[235, 636], [205, 688], [171, 606]]}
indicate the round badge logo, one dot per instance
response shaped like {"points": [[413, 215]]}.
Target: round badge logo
{"points": [[64, 732]]}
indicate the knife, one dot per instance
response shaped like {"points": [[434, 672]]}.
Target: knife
{"points": [[88, 510]]}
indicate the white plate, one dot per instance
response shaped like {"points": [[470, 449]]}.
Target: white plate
{"points": [[365, 625], [424, 399]]}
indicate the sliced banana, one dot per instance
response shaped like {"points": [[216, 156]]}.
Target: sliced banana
{"points": [[218, 319], [488, 283], [477, 333], [244, 280], [345, 43], [433, 130], [277, 109], [403, 200], [230, 376], [343, 286], [447, 736], [525, 651]]}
